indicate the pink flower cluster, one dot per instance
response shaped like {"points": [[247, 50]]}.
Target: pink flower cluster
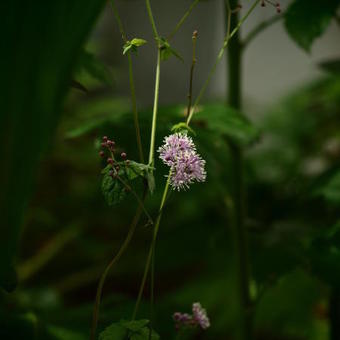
{"points": [[186, 165], [199, 318]]}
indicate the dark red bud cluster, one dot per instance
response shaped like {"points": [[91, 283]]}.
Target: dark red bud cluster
{"points": [[274, 4]]}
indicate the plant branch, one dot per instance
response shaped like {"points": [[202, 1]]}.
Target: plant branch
{"points": [[152, 20], [219, 57], [182, 20], [155, 109], [258, 29], [132, 85], [193, 63], [152, 247], [121, 251]]}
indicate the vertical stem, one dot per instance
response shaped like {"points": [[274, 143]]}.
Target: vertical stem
{"points": [[152, 247], [155, 109], [334, 313], [234, 97]]}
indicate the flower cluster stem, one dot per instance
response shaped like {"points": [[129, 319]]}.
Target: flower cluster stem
{"points": [[152, 247]]}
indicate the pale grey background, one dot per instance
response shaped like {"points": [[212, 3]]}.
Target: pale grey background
{"points": [[273, 64]]}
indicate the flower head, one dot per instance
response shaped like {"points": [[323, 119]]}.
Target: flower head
{"points": [[198, 318], [186, 165]]}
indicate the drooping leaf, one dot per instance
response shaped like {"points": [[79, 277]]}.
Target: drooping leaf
{"points": [[307, 20], [114, 332], [113, 190], [226, 121], [42, 42], [167, 51]]}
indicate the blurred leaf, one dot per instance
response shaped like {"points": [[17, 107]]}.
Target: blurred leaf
{"points": [[133, 330], [114, 332], [77, 85], [226, 121], [331, 66], [330, 190], [42, 41], [90, 63], [65, 334], [306, 20]]}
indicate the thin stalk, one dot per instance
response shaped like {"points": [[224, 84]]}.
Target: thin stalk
{"points": [[111, 264], [219, 57], [241, 243], [193, 63], [182, 20], [260, 28], [152, 20], [155, 109], [132, 85], [152, 247]]}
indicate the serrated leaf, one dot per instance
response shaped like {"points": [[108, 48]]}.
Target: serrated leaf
{"points": [[135, 325], [306, 20], [226, 121], [144, 334], [114, 332], [113, 190]]}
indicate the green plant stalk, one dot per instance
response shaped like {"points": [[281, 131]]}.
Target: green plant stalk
{"points": [[155, 110], [152, 20], [132, 84], [218, 59], [182, 20], [111, 264], [234, 97], [152, 247]]}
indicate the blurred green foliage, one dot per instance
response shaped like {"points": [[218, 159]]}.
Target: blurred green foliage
{"points": [[292, 173]]}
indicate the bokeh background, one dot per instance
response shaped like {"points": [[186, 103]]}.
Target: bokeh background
{"points": [[58, 233]]}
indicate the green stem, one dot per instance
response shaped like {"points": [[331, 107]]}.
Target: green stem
{"points": [[183, 19], [241, 242], [152, 247], [258, 29], [219, 57], [132, 85], [193, 63], [152, 20], [155, 109], [111, 264]]}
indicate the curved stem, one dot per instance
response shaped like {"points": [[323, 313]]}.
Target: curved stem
{"points": [[110, 265], [155, 109], [182, 20], [152, 247], [258, 29], [119, 21], [219, 57]]}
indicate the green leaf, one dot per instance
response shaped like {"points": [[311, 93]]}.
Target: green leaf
{"points": [[94, 67], [331, 66], [307, 20], [133, 45], [167, 51], [330, 190], [135, 325], [138, 42], [180, 127], [114, 332], [226, 121], [143, 334], [113, 190], [151, 181], [61, 28]]}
